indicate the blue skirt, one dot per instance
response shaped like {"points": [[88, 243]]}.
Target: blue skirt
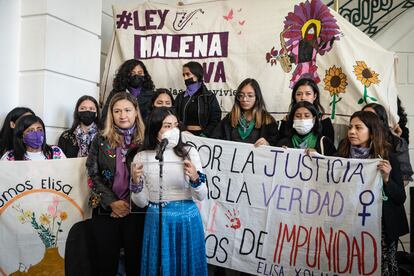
{"points": [[183, 247]]}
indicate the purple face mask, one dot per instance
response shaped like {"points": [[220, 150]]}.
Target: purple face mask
{"points": [[34, 139]]}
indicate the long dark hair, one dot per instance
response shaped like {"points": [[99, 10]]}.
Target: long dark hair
{"points": [[6, 132], [382, 115], [19, 147], [378, 142], [196, 69], [153, 125], [317, 126], [380, 112], [315, 88], [121, 79], [76, 120], [259, 112]]}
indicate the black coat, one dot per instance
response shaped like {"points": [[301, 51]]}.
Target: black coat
{"points": [[101, 167], [394, 217], [225, 131], [69, 144], [209, 112]]}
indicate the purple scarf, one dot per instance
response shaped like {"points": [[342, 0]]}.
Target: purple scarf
{"points": [[192, 88], [121, 178], [127, 133], [135, 91]]}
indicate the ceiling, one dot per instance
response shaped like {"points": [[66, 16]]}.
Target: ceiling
{"points": [[371, 16]]}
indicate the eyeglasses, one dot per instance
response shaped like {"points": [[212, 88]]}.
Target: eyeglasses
{"points": [[245, 96]]}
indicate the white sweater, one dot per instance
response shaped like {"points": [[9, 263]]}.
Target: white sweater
{"points": [[175, 184]]}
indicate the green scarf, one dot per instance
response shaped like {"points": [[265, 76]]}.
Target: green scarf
{"points": [[305, 142], [245, 128]]}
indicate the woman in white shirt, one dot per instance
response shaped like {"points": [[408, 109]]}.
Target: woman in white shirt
{"points": [[29, 141], [183, 246]]}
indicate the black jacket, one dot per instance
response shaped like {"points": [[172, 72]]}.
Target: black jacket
{"points": [[225, 131], [69, 144], [394, 217], [328, 147], [209, 112], [144, 102], [101, 166]]}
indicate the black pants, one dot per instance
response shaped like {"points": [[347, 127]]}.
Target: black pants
{"points": [[112, 234]]}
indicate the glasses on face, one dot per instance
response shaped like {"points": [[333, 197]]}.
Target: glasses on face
{"points": [[245, 96]]}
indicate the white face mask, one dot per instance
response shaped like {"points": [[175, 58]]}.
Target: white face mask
{"points": [[303, 127], [173, 136]]}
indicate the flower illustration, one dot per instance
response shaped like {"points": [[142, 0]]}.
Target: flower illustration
{"points": [[335, 83], [44, 219], [48, 225], [335, 80], [366, 76], [63, 216]]}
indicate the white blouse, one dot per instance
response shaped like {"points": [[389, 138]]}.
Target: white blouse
{"points": [[175, 184]]}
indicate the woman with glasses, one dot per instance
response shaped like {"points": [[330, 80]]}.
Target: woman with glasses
{"points": [[248, 121]]}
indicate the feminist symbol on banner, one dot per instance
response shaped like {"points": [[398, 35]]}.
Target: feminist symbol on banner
{"points": [[234, 219], [365, 204]]}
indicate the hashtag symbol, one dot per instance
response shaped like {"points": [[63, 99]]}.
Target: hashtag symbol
{"points": [[124, 20]]}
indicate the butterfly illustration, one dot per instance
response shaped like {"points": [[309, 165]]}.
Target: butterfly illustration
{"points": [[242, 22], [229, 16]]}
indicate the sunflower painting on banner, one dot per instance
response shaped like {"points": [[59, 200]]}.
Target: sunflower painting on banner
{"points": [[335, 83]]}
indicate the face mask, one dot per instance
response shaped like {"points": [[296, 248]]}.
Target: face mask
{"points": [[303, 127], [34, 139], [173, 136], [189, 81], [87, 117], [136, 81]]}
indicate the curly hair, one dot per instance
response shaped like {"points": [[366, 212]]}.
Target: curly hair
{"points": [[121, 79]]}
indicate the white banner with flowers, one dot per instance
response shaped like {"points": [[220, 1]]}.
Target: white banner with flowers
{"points": [[274, 42], [39, 203]]}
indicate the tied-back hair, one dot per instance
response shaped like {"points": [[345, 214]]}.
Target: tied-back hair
{"points": [[154, 124], [6, 132], [196, 69], [114, 138], [379, 147], [317, 126], [259, 112], [121, 79], [315, 88], [19, 147], [158, 92], [76, 120]]}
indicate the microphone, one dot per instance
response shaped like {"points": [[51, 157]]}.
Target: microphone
{"points": [[160, 152]]}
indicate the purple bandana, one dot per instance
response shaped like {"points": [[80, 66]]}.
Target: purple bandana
{"points": [[127, 133], [192, 88], [135, 91]]}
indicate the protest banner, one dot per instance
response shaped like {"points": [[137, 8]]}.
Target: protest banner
{"points": [[39, 203], [274, 42], [275, 211], [269, 211]]}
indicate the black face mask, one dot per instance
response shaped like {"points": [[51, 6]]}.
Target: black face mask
{"points": [[189, 81], [87, 117], [136, 81]]}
